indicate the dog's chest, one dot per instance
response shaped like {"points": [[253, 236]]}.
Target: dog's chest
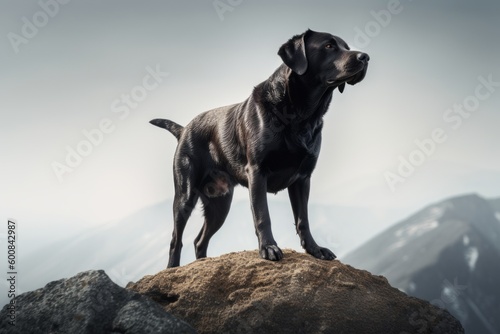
{"points": [[284, 169], [297, 160], [294, 158]]}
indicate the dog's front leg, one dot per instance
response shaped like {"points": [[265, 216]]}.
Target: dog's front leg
{"points": [[257, 186], [299, 197]]}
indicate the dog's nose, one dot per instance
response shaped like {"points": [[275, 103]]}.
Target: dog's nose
{"points": [[363, 57]]}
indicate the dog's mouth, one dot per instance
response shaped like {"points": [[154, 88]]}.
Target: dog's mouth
{"points": [[351, 79]]}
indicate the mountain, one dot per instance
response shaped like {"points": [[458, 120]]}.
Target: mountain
{"points": [[495, 204], [449, 254]]}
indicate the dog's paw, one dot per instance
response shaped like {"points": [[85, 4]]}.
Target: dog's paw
{"points": [[271, 252], [321, 253]]}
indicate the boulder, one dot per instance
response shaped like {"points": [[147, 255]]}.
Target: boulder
{"points": [[88, 303], [242, 293]]}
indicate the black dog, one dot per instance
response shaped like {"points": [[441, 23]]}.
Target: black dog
{"points": [[269, 142]]}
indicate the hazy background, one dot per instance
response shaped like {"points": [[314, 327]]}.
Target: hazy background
{"points": [[64, 80]]}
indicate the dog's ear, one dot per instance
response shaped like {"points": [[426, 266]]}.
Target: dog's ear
{"points": [[293, 53]]}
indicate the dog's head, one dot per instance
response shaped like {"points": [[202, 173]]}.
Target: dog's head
{"points": [[324, 58]]}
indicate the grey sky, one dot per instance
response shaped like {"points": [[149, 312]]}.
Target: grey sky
{"points": [[424, 59]]}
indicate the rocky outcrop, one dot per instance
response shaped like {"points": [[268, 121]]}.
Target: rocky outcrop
{"points": [[241, 293], [88, 303], [234, 293]]}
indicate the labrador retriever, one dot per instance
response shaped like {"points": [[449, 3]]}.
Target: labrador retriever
{"points": [[269, 142]]}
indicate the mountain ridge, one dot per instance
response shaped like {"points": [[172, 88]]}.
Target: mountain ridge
{"points": [[448, 253]]}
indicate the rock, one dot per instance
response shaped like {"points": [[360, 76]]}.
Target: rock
{"points": [[241, 293], [89, 303]]}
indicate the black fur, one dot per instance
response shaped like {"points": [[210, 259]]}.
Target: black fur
{"points": [[269, 142]]}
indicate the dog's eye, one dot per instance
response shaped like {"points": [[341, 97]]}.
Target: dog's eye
{"points": [[329, 46]]}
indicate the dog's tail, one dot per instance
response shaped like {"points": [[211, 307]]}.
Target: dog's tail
{"points": [[173, 127]]}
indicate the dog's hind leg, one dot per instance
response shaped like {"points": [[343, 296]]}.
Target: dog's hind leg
{"points": [[183, 206], [215, 210], [185, 200]]}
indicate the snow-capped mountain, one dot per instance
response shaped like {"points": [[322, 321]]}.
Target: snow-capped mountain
{"points": [[449, 254]]}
